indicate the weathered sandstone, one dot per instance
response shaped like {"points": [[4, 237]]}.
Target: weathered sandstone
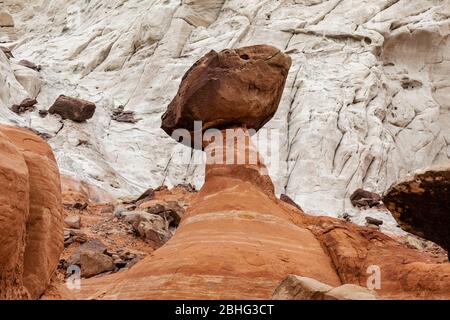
{"points": [[33, 214], [75, 109], [302, 288]]}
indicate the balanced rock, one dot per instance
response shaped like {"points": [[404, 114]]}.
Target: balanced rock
{"points": [[31, 237], [6, 20], [287, 199], [74, 109], [235, 87], [421, 204], [364, 198]]}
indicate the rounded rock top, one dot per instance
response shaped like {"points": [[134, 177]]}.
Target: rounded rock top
{"points": [[232, 88]]}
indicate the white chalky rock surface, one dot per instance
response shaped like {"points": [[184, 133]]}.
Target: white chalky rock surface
{"points": [[367, 100]]}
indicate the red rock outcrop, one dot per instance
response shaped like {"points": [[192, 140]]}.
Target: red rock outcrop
{"points": [[32, 223], [404, 273], [421, 204], [75, 109]]}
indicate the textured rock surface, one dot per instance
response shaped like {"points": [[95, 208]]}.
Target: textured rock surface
{"points": [[404, 273], [237, 241], [421, 204], [33, 215], [240, 87], [14, 211], [302, 288], [367, 95], [6, 20], [73, 108]]}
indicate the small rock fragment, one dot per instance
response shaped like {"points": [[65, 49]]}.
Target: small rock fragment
{"points": [[374, 221], [27, 104], [287, 199]]}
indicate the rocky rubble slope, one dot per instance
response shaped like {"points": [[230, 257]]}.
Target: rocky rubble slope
{"points": [[366, 101]]}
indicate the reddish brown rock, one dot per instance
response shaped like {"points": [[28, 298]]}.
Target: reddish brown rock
{"points": [[235, 87], [363, 198], [40, 208], [421, 204], [354, 250], [26, 105], [75, 109]]}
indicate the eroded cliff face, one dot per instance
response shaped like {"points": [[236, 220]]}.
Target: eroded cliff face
{"points": [[31, 214], [366, 100]]}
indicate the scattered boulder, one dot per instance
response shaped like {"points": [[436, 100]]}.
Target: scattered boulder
{"points": [[94, 245], [29, 79], [74, 109], [92, 256], [148, 195], [421, 204], [43, 113], [6, 20], [120, 115], [150, 227], [74, 235], [234, 87], [171, 211], [187, 186], [287, 199], [373, 221], [27, 104], [76, 206], [303, 288], [365, 199], [73, 222], [94, 263], [31, 65]]}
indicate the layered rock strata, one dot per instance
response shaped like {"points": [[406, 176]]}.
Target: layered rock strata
{"points": [[31, 224]]}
